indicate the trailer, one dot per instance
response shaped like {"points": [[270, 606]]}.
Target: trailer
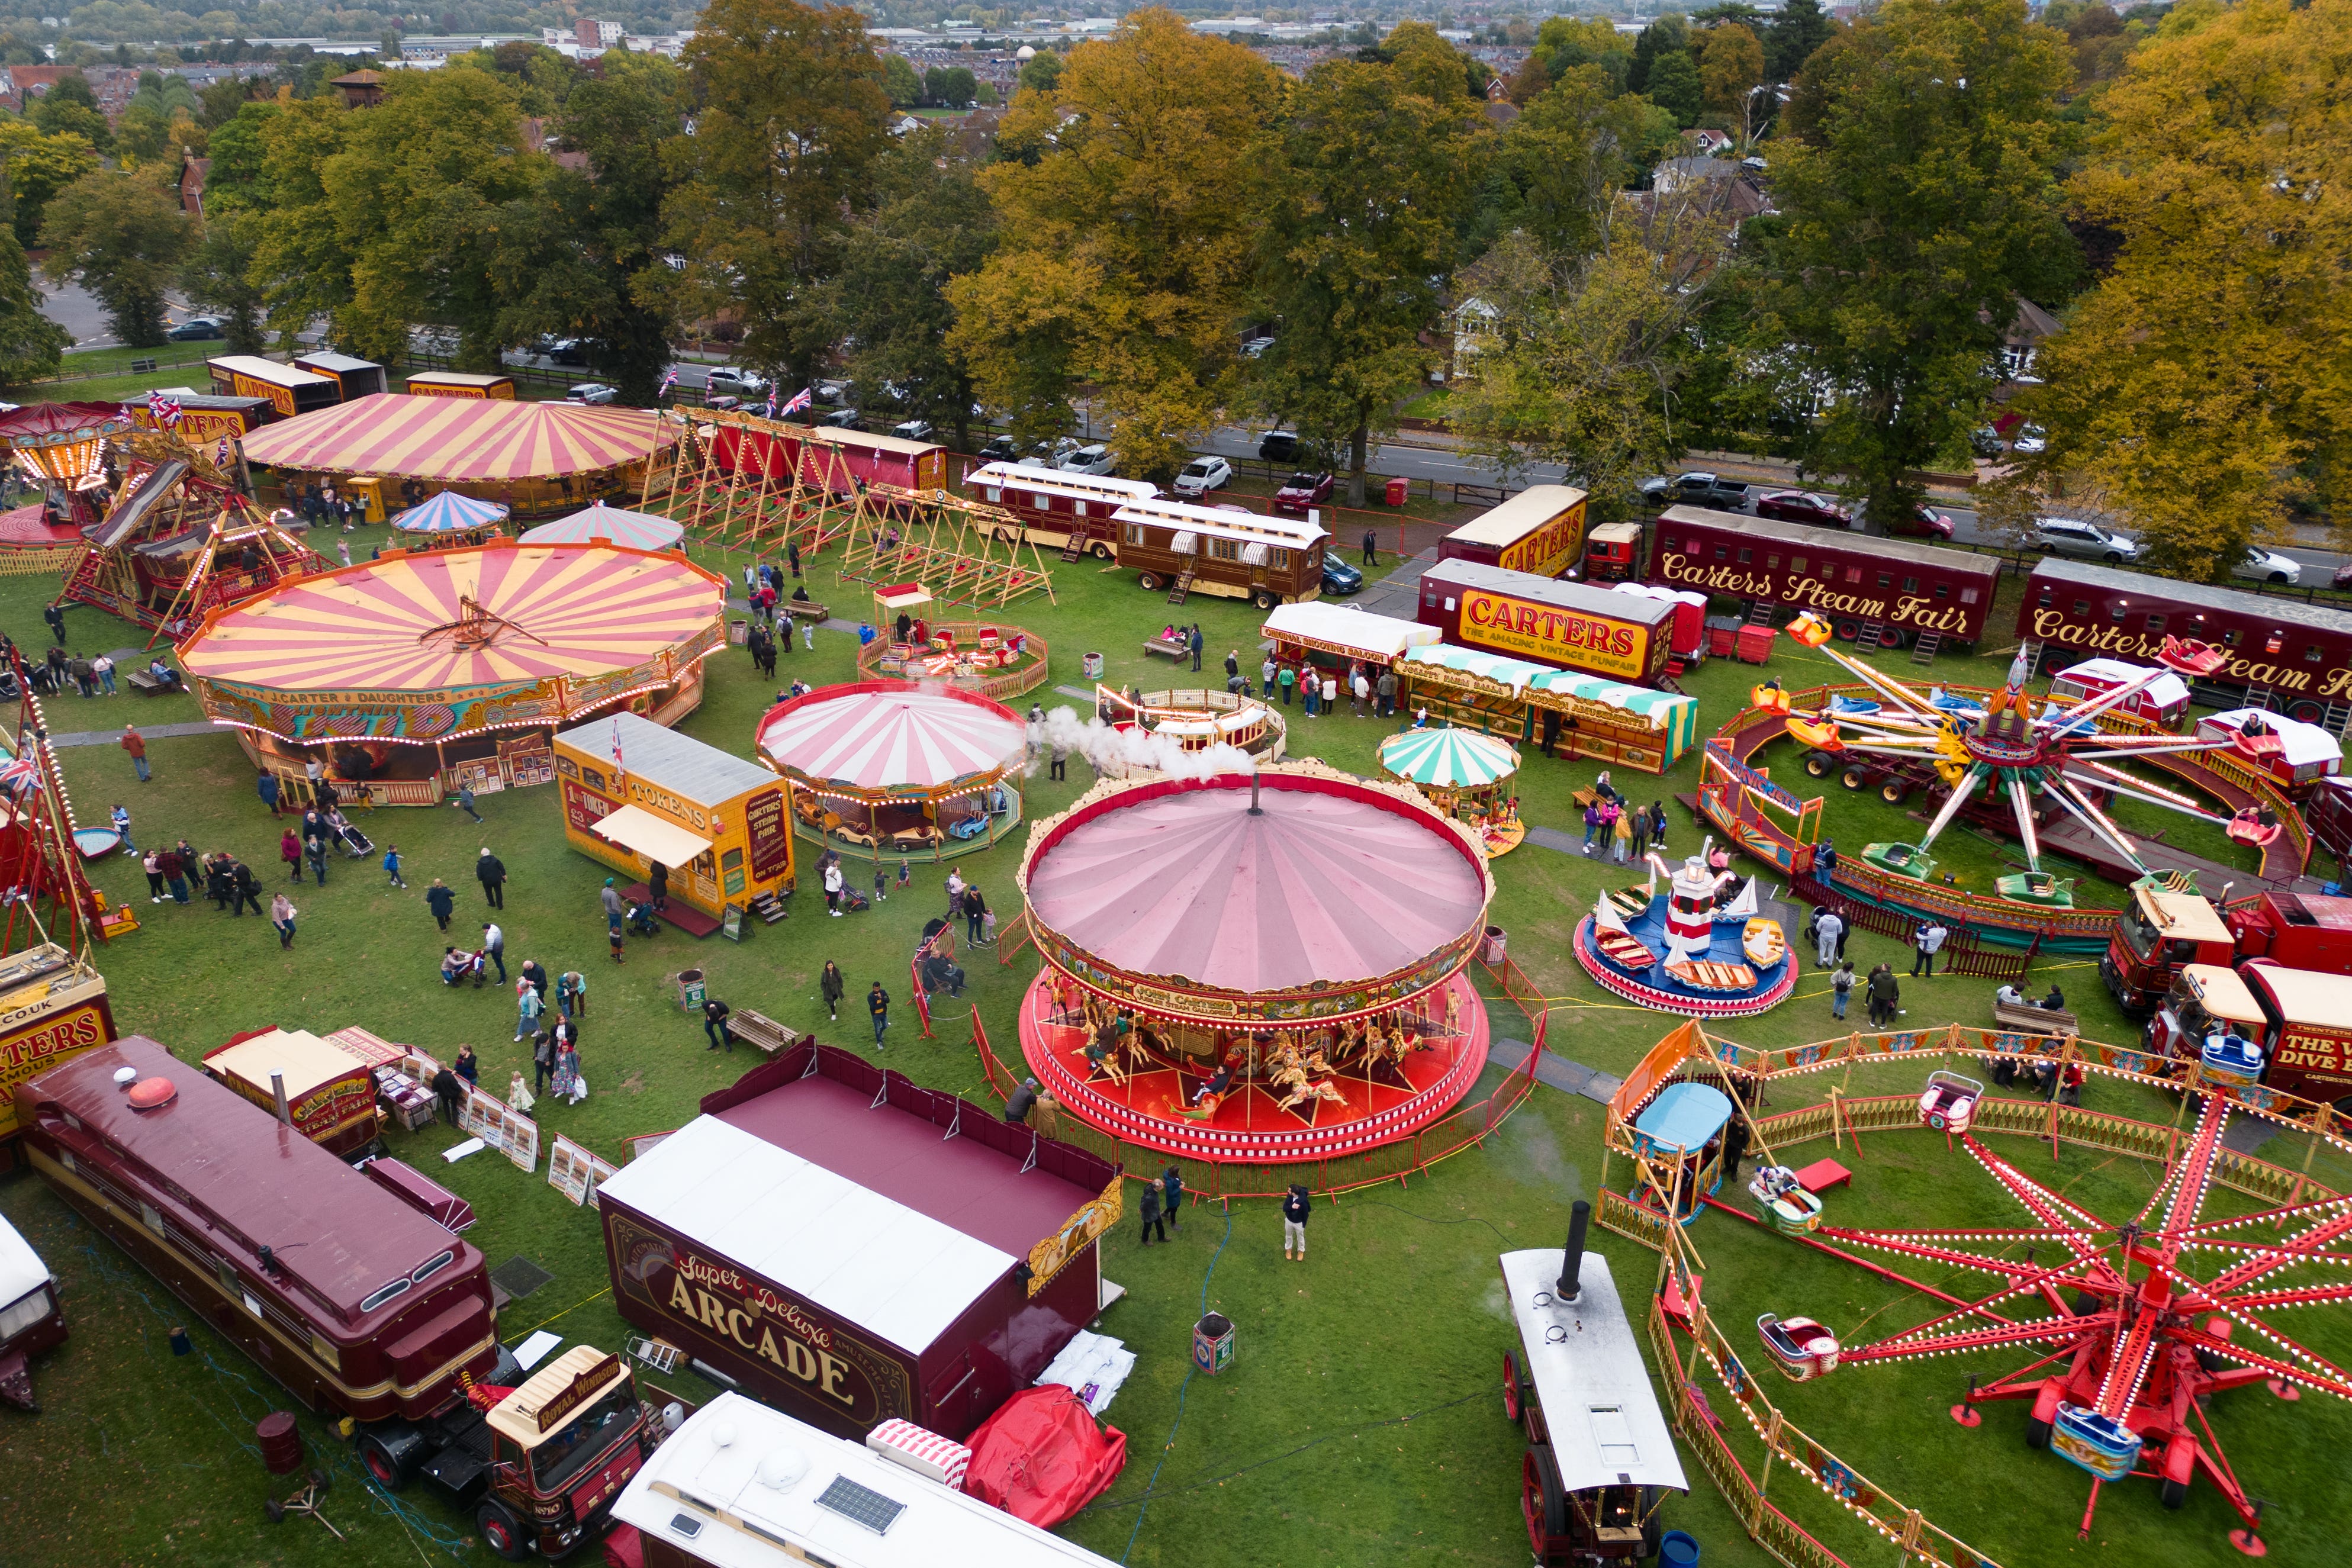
{"points": [[202, 418], [2160, 932], [1059, 510], [2284, 656], [1600, 1458], [1540, 530], [1566, 625], [1877, 592], [454, 384], [328, 1093], [361, 1306], [53, 1007], [1188, 548], [288, 391], [831, 462], [30, 1319], [359, 378]]}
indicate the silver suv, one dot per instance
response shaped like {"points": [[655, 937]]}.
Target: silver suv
{"points": [[2088, 541]]}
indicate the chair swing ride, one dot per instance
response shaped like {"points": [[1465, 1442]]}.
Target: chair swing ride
{"points": [[2132, 1343], [2005, 746]]}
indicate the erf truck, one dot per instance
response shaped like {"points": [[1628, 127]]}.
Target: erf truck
{"points": [[2162, 931], [2302, 1022], [362, 1307]]}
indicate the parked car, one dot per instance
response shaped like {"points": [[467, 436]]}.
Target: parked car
{"points": [[2031, 439], [194, 329], [591, 392], [1339, 578], [1985, 441], [1255, 347], [1004, 449], [1204, 475], [2260, 565], [1924, 523], [1095, 459], [734, 379], [1803, 507], [1301, 491], [1695, 489], [913, 430], [724, 405], [567, 352], [1278, 446], [2072, 536], [2343, 578], [841, 419]]}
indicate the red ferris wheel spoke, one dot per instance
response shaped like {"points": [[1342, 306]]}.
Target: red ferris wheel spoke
{"points": [[2012, 1267], [2310, 1296], [2214, 1228], [2036, 1331], [2045, 1205]]}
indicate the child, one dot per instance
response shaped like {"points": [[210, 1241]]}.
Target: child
{"points": [[392, 864], [122, 828], [881, 883], [905, 876]]}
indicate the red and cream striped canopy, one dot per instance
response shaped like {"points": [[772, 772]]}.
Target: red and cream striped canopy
{"points": [[453, 440], [888, 737], [439, 620]]}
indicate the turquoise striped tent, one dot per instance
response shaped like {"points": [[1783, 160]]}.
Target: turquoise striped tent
{"points": [[1673, 716], [1448, 760], [449, 513]]}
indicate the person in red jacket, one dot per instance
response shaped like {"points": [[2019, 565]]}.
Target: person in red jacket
{"points": [[289, 850]]}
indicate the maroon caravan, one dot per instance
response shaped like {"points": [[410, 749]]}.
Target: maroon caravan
{"points": [[850, 1246], [1909, 591], [2293, 657], [359, 1305], [835, 461]]}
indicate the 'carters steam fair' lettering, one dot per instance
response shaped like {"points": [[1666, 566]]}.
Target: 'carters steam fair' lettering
{"points": [[1816, 593], [2052, 626]]}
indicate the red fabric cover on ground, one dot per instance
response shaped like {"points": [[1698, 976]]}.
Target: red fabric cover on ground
{"points": [[1041, 1456], [624, 1548], [30, 526]]}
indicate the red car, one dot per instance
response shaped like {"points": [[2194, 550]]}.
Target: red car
{"points": [[1803, 507], [1926, 524], [1302, 491]]}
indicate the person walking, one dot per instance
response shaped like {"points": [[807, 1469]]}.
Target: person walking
{"points": [[136, 745], [1266, 673], [793, 557], [1658, 825], [1640, 833], [881, 883], [1372, 548], [567, 1081], [657, 886], [1061, 758], [832, 887], [1198, 642], [542, 1060], [1886, 995], [878, 1003], [494, 947], [714, 1024], [1826, 937], [121, 819], [281, 915], [315, 847], [1296, 1211], [975, 909], [175, 873], [392, 864], [103, 668], [1152, 1223], [247, 888], [491, 872], [56, 617], [289, 850], [1925, 942], [441, 902], [1171, 1200], [465, 804], [529, 1008], [1841, 989], [216, 882], [266, 787], [955, 892], [829, 986]]}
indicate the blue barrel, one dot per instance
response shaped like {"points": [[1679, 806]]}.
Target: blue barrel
{"points": [[1676, 1549]]}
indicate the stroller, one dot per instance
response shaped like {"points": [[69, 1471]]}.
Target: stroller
{"points": [[356, 844], [475, 963], [643, 921], [852, 900]]}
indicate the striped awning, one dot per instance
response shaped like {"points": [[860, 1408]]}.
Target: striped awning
{"points": [[891, 736], [449, 513], [1448, 758], [455, 440], [638, 531]]}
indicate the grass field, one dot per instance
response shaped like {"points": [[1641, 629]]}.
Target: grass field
{"points": [[1360, 1422]]}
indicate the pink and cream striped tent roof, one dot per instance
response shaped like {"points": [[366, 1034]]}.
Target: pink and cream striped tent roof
{"points": [[638, 531], [455, 440], [891, 738]]}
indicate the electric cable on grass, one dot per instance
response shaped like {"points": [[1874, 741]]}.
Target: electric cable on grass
{"points": [[1183, 1388]]}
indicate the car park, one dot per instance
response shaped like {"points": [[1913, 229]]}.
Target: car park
{"points": [[1204, 475], [1301, 491], [1696, 489], [591, 392], [2260, 565], [2084, 540], [1803, 507], [1094, 459], [195, 329]]}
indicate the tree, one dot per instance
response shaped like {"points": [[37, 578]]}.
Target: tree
{"points": [[219, 277], [236, 150], [1587, 351], [69, 107], [949, 87], [1041, 73], [1564, 160], [930, 222], [124, 236], [1674, 86], [1429, 67], [793, 114], [1793, 36], [1374, 174], [1731, 69], [30, 343], [1128, 231], [582, 252], [1667, 36], [899, 81], [2214, 362], [1916, 178], [38, 165]]}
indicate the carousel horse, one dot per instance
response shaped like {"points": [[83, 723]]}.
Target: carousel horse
{"points": [[1453, 1010]]}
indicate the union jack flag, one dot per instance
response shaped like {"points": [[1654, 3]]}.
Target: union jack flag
{"points": [[772, 403], [800, 399], [165, 410], [20, 774], [669, 382]]}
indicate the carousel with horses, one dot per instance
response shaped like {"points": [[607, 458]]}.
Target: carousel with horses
{"points": [[1254, 968]]}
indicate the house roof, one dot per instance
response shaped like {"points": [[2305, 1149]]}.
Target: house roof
{"points": [[358, 79]]}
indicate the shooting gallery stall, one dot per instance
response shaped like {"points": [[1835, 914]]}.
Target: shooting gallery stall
{"points": [[852, 1247], [635, 794], [1561, 712], [329, 1095]]}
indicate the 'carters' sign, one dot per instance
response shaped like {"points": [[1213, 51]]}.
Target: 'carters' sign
{"points": [[1569, 638]]}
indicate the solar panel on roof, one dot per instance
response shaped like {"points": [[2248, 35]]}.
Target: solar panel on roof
{"points": [[861, 1505]]}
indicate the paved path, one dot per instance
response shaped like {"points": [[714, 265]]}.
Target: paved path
{"points": [[1569, 1077], [152, 731]]}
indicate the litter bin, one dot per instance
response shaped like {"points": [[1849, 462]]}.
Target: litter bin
{"points": [[1213, 1343], [1676, 1549], [689, 989], [1722, 633], [1756, 643], [1397, 490], [1490, 951], [1090, 665]]}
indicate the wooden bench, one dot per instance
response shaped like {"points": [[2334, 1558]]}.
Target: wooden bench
{"points": [[2033, 1018], [761, 1031], [144, 682], [1177, 648], [804, 609]]}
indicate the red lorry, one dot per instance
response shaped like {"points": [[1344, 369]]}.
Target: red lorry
{"points": [[2161, 932]]}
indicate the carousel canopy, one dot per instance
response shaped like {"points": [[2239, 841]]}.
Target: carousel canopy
{"points": [[449, 513], [489, 616], [56, 423], [1448, 758], [891, 736], [1320, 886], [638, 531], [469, 440]]}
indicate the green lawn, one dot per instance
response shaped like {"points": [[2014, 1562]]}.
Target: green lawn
{"points": [[1302, 1452]]}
